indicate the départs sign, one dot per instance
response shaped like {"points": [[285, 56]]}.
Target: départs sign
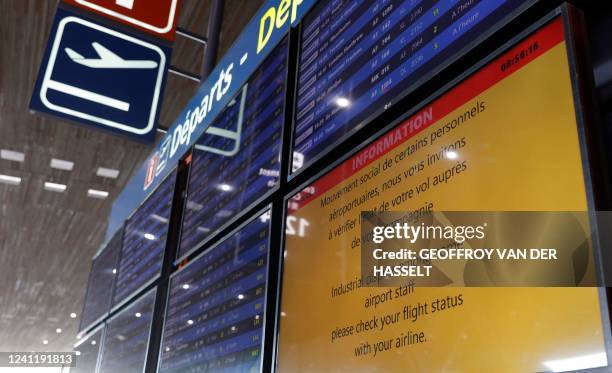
{"points": [[267, 28]]}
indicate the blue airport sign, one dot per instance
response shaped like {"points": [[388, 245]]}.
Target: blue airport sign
{"points": [[99, 76], [265, 30]]}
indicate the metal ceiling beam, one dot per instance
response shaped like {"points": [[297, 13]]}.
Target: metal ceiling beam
{"points": [[212, 34]]}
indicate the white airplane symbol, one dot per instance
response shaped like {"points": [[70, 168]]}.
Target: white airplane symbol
{"points": [[108, 60]]}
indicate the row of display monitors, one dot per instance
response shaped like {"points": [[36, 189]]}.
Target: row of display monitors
{"points": [[214, 315], [133, 257], [355, 58], [234, 164], [453, 148]]}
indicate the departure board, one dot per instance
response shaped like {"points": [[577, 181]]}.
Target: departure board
{"points": [[237, 160], [127, 337], [214, 319], [101, 280], [88, 349], [357, 57], [144, 241]]}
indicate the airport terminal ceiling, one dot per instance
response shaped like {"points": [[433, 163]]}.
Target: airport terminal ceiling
{"points": [[47, 238]]}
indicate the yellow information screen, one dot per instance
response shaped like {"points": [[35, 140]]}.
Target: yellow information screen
{"points": [[505, 139]]}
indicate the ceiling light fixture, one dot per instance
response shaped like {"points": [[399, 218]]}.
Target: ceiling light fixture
{"points": [[45, 342], [11, 155], [55, 187], [107, 172], [149, 236], [58, 330], [61, 164], [138, 314], [94, 193], [73, 315], [11, 180]]}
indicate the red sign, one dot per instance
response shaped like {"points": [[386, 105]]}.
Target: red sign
{"points": [[156, 17]]}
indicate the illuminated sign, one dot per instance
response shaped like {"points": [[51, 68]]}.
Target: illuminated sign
{"points": [[491, 143], [144, 242], [216, 306], [101, 77], [237, 160], [230, 75], [156, 17], [126, 338], [357, 58], [101, 282]]}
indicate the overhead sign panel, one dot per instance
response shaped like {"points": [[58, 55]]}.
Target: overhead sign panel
{"points": [[98, 76], [156, 17]]}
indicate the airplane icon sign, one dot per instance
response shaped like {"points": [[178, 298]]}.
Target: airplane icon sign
{"points": [[99, 76], [108, 60]]}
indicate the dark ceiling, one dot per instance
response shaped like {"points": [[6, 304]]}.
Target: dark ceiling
{"points": [[47, 238]]}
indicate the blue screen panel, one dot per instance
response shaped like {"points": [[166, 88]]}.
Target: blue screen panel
{"points": [[237, 160], [214, 318], [88, 350], [127, 337], [101, 280], [144, 241], [358, 57]]}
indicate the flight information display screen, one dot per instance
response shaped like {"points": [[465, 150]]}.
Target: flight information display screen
{"points": [[214, 319], [470, 137], [101, 280], [88, 350], [127, 337], [237, 160], [144, 241], [358, 56]]}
